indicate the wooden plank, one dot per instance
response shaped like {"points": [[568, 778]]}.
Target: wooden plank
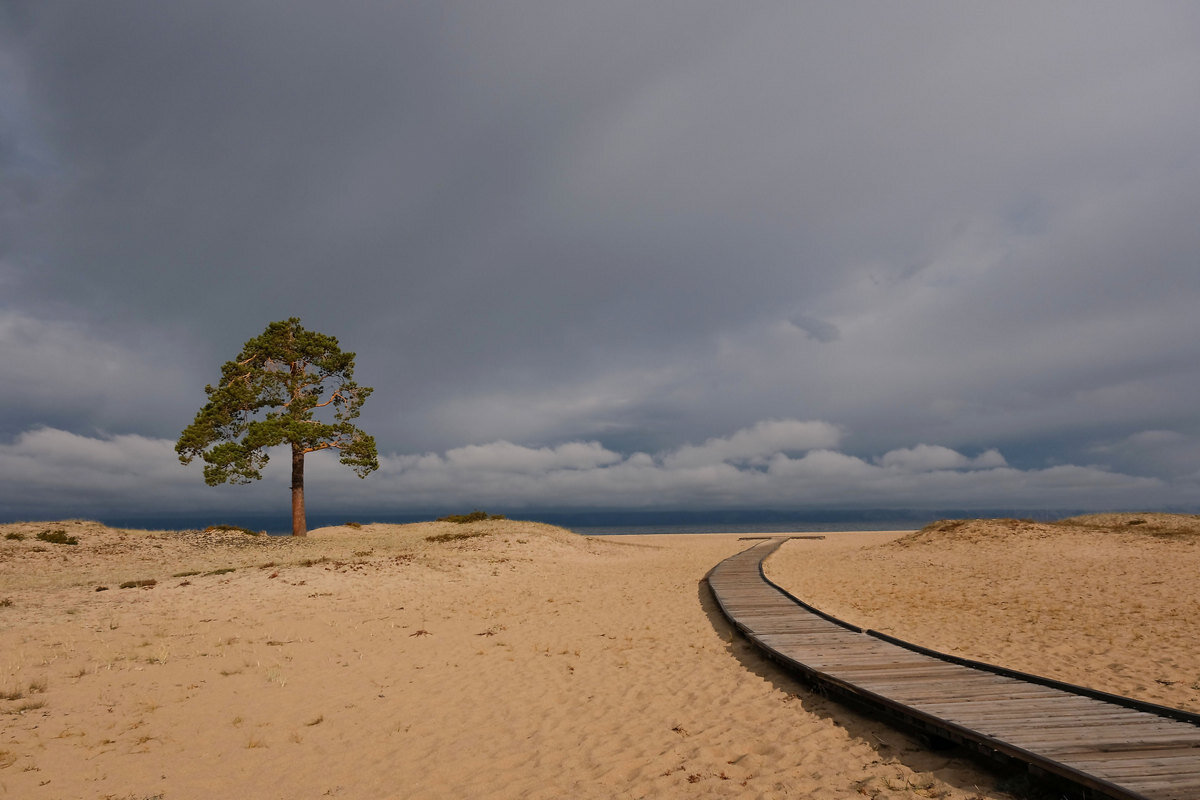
{"points": [[882, 662], [1050, 742], [836, 638], [1175, 787], [1146, 755], [1141, 769], [1063, 747], [1029, 706], [983, 688], [1018, 721]]}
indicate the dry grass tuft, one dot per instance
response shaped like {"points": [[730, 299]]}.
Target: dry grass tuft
{"points": [[144, 583], [231, 529], [474, 516], [456, 536]]}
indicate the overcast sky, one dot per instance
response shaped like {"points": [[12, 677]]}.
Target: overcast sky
{"points": [[611, 255]]}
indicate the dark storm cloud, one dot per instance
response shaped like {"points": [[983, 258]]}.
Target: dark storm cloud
{"points": [[645, 227]]}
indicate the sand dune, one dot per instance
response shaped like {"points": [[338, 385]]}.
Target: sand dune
{"points": [[505, 660]]}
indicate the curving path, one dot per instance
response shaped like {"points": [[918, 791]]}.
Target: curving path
{"points": [[1113, 745]]}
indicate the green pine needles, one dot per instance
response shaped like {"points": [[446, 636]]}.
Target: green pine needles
{"points": [[270, 395]]}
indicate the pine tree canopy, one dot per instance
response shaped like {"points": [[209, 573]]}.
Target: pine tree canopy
{"points": [[273, 394]]}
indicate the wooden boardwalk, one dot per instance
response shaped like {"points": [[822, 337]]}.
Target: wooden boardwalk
{"points": [[1110, 745]]}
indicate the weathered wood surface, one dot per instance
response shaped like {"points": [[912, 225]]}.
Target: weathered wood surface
{"points": [[1112, 745]]}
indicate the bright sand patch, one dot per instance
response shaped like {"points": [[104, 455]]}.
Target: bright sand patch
{"points": [[1098, 602], [525, 662]]}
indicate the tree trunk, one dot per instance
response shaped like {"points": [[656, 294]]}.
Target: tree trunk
{"points": [[299, 523]]}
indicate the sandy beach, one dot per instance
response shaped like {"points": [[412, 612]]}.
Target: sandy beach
{"points": [[505, 659]]}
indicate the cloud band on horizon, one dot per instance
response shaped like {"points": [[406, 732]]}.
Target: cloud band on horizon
{"points": [[775, 464]]}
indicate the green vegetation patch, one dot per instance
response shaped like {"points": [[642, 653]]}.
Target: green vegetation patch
{"points": [[57, 537], [14, 536], [144, 583], [474, 516]]}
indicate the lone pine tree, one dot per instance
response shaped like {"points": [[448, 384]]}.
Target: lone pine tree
{"points": [[269, 396]]}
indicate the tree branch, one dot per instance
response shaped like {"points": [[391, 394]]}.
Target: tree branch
{"points": [[336, 395]]}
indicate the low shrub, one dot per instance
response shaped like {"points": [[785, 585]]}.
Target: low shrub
{"points": [[139, 584], [454, 537], [57, 537], [353, 524], [231, 529], [14, 536], [474, 516]]}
